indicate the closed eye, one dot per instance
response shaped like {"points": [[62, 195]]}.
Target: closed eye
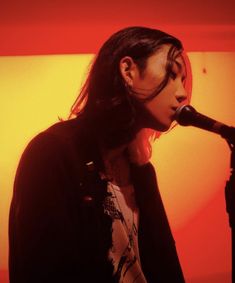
{"points": [[173, 75]]}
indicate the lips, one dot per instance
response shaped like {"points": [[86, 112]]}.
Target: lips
{"points": [[174, 112], [174, 108]]}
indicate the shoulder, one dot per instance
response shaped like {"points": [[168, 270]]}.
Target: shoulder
{"points": [[60, 142], [57, 137], [48, 158], [66, 130]]}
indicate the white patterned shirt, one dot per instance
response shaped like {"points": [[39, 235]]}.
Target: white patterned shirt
{"points": [[120, 205]]}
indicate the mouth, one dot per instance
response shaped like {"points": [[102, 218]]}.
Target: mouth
{"points": [[174, 110]]}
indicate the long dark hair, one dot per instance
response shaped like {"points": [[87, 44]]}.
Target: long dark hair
{"points": [[104, 98]]}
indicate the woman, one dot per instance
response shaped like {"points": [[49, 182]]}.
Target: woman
{"points": [[86, 206]]}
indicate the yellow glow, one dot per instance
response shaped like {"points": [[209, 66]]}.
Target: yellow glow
{"points": [[191, 164], [35, 91]]}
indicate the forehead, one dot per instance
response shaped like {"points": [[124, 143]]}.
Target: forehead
{"points": [[159, 57], [179, 63], [164, 55]]}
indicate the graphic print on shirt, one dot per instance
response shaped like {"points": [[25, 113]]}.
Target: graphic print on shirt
{"points": [[124, 252], [110, 209]]}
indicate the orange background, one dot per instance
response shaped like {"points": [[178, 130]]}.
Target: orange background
{"points": [[192, 165]]}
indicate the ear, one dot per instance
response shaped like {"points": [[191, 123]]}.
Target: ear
{"points": [[128, 69]]}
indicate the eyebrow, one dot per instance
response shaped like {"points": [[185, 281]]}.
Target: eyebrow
{"points": [[180, 67]]}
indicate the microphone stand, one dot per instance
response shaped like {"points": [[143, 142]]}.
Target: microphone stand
{"points": [[230, 199]]}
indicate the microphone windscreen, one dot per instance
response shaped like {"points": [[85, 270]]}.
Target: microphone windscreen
{"points": [[185, 115]]}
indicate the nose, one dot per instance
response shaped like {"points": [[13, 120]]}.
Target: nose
{"points": [[181, 93]]}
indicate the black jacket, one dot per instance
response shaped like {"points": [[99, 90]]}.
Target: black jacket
{"points": [[58, 231]]}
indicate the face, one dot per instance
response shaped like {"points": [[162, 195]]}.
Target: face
{"points": [[163, 106]]}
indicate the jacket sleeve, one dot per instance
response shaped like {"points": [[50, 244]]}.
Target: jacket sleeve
{"points": [[38, 219]]}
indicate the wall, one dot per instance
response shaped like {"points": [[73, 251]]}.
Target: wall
{"points": [[192, 165]]}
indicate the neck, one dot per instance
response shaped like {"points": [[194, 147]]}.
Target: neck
{"points": [[116, 165], [111, 155]]}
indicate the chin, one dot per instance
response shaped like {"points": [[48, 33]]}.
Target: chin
{"points": [[163, 127], [151, 122], [158, 127]]}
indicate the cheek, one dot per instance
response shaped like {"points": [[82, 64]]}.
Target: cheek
{"points": [[149, 82], [157, 107], [160, 107], [160, 103]]}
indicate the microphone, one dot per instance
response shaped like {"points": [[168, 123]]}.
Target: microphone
{"points": [[186, 115]]}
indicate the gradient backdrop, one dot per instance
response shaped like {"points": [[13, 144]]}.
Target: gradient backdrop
{"points": [[45, 51]]}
